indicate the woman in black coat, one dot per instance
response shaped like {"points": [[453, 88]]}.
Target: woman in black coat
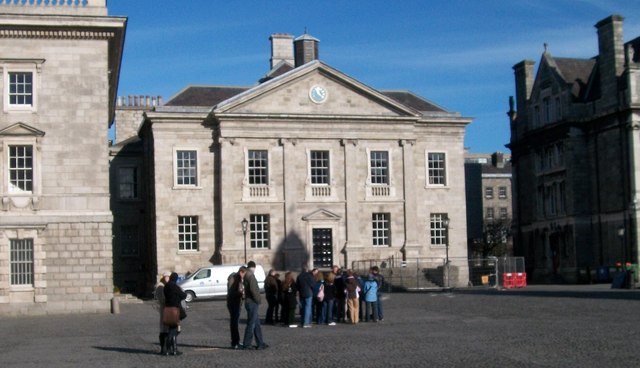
{"points": [[173, 296]]}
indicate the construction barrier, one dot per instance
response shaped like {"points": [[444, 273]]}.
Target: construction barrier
{"points": [[521, 279], [508, 280]]}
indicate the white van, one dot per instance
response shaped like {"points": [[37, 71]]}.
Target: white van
{"points": [[211, 281]]}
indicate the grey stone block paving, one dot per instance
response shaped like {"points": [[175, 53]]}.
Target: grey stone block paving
{"points": [[538, 326]]}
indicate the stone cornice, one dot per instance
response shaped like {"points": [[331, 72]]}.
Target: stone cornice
{"points": [[73, 34]]}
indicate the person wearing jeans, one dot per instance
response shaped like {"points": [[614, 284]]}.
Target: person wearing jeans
{"points": [[305, 284], [252, 304]]}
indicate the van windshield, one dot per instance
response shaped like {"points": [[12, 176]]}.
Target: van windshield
{"points": [[202, 274]]}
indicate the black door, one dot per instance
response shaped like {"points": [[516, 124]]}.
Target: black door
{"points": [[322, 248]]}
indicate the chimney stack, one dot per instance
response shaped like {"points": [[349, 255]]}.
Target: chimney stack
{"points": [[610, 58], [281, 49], [524, 83], [305, 49]]}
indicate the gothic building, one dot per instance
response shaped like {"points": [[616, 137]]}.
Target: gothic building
{"points": [[309, 166], [576, 159]]}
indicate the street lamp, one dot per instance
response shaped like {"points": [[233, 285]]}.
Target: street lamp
{"points": [[622, 247], [445, 224], [245, 224]]}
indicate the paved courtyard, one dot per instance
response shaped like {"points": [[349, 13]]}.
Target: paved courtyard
{"points": [[539, 326]]}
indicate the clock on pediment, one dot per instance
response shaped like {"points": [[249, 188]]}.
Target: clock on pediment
{"points": [[318, 94]]}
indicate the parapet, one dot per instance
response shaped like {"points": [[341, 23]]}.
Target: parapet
{"points": [[54, 7]]}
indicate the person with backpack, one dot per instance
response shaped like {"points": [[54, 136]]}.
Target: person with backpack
{"points": [[318, 297], [235, 296]]}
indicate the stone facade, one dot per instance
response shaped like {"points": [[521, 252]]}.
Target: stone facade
{"points": [[489, 209], [292, 219], [575, 155], [60, 66]]}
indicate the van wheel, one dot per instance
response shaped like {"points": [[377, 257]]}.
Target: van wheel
{"points": [[190, 296]]}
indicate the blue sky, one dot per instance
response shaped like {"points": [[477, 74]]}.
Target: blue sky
{"points": [[457, 54]]}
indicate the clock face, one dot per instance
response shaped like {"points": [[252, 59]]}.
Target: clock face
{"points": [[318, 94]]}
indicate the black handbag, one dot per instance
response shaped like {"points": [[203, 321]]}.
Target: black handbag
{"points": [[183, 310]]}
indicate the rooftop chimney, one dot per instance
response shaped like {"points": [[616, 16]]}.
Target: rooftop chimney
{"points": [[610, 57], [281, 49], [306, 49]]}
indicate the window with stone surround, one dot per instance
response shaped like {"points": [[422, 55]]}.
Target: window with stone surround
{"points": [[20, 168], [436, 169], [258, 167], [502, 192], [186, 164], [20, 84], [319, 167], [188, 233], [488, 192], [379, 166], [259, 231], [381, 227], [21, 260]]}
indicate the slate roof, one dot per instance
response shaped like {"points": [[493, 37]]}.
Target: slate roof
{"points": [[411, 100], [578, 72], [204, 95]]}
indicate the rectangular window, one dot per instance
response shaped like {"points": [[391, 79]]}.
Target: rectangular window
{"points": [[128, 182], [503, 213], [380, 223], [20, 168], [379, 161], [20, 89], [489, 213], [319, 167], [21, 261], [502, 192], [188, 233], [438, 228], [488, 192], [259, 231], [187, 168], [437, 168], [258, 165]]}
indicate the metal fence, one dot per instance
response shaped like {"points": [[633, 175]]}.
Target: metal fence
{"points": [[437, 274]]}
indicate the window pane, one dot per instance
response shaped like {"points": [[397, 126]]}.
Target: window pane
{"points": [[319, 167], [188, 233], [187, 168], [21, 261], [259, 231], [379, 167], [20, 88], [258, 167], [438, 230], [380, 224], [20, 168], [436, 167]]}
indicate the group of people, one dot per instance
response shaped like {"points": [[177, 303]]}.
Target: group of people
{"points": [[324, 298]]}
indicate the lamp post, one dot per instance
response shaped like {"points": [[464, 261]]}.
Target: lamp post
{"points": [[445, 224], [622, 247], [245, 224]]}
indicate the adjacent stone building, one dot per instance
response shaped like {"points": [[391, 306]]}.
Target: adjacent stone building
{"points": [[575, 143], [60, 64], [489, 208], [309, 166]]}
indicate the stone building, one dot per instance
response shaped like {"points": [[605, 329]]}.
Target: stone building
{"points": [[576, 159], [60, 65], [489, 208], [308, 166]]}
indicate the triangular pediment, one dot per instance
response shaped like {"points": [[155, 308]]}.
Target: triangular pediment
{"points": [[321, 215], [21, 129], [290, 94]]}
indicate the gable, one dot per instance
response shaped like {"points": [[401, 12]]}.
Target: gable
{"points": [[321, 214], [21, 130], [290, 94]]}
